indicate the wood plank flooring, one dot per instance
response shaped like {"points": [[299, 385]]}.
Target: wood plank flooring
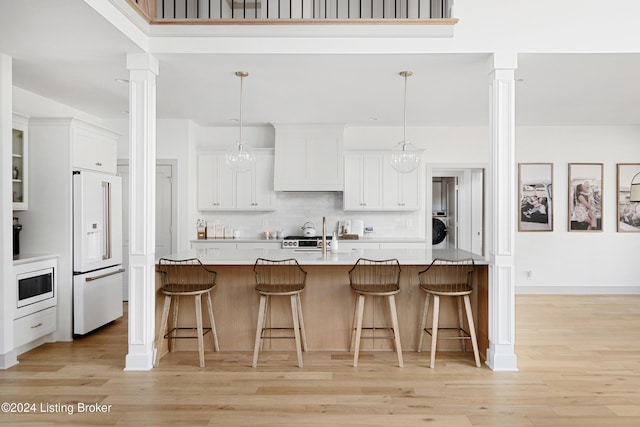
{"points": [[579, 361]]}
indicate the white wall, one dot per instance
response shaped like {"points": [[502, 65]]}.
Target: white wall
{"points": [[578, 262]]}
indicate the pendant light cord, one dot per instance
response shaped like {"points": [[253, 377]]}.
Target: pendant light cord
{"points": [[404, 134], [240, 140]]}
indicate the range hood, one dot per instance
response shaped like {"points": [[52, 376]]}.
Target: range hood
{"points": [[309, 157]]}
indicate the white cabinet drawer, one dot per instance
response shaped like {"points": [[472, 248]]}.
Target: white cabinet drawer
{"points": [[34, 326]]}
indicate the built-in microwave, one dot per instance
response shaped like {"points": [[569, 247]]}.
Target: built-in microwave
{"points": [[35, 286]]}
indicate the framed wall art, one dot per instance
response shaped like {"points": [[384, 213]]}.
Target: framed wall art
{"points": [[628, 211], [535, 186], [585, 196]]}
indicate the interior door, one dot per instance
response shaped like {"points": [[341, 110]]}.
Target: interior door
{"points": [[165, 208]]}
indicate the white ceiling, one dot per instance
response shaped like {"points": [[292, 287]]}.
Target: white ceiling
{"points": [[77, 61]]}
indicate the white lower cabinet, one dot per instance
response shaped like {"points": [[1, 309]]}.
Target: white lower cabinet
{"points": [[371, 184], [33, 326], [221, 189]]}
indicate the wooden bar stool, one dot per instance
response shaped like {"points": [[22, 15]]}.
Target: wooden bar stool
{"points": [[375, 278], [280, 278], [181, 278], [447, 278]]}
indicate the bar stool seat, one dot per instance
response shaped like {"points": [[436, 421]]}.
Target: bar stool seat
{"points": [[375, 278], [448, 278], [183, 278], [280, 278]]}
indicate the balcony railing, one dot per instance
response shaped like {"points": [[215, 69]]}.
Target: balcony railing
{"points": [[300, 11]]}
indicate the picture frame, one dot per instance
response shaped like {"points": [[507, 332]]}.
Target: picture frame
{"points": [[628, 212], [535, 197], [585, 196]]}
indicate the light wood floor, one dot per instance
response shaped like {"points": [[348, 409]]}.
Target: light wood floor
{"points": [[579, 360]]}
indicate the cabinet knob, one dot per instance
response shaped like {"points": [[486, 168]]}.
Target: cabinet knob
{"points": [[98, 164]]}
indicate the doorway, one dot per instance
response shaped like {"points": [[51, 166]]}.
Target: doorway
{"points": [[165, 213], [457, 204]]}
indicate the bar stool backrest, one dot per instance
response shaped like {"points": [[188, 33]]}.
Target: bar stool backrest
{"points": [[279, 275], [375, 275], [185, 275], [448, 276]]}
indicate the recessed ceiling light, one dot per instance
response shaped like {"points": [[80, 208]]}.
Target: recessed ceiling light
{"points": [[118, 80], [373, 119], [234, 120]]}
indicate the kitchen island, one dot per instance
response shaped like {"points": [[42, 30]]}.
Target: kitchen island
{"points": [[327, 300]]}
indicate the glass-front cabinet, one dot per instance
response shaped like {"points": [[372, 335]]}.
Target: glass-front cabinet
{"points": [[19, 162]]}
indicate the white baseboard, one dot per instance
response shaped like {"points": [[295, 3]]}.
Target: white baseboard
{"points": [[578, 290]]}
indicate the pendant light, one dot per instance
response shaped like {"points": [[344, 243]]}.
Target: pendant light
{"points": [[404, 156], [239, 157]]}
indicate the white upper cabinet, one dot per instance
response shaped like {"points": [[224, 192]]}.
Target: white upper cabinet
{"points": [[309, 158], [371, 184], [215, 182], [20, 162], [222, 189], [94, 148], [255, 187], [401, 190], [363, 181]]}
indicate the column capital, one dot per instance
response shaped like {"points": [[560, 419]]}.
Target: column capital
{"points": [[143, 61], [503, 61]]}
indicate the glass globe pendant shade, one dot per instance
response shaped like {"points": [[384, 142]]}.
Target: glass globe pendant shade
{"points": [[240, 158], [405, 157]]}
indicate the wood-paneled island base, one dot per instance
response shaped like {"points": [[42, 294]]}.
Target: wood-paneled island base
{"points": [[327, 301]]}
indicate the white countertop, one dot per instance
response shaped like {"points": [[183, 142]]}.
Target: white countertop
{"points": [[363, 240], [216, 256], [26, 258]]}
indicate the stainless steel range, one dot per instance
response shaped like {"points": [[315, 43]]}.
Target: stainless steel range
{"points": [[304, 242]]}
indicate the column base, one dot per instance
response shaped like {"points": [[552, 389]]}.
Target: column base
{"points": [[502, 362]]}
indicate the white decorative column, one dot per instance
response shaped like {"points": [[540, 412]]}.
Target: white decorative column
{"points": [[8, 356], [502, 213], [143, 69]]}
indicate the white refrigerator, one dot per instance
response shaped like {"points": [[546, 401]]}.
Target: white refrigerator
{"points": [[97, 250]]}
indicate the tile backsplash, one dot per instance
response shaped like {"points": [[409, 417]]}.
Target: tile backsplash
{"points": [[296, 208]]}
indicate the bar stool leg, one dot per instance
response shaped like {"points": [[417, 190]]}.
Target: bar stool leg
{"points": [[463, 342], [174, 321], [296, 327], [265, 316], [352, 339], [396, 331], [198, 302], [163, 329], [434, 329], [213, 323], [360, 313], [423, 323], [472, 329], [304, 335], [259, 326]]}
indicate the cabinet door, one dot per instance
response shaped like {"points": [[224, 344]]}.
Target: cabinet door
{"points": [[372, 181], [19, 163], [215, 183], [264, 195], [363, 182], [353, 173], [254, 188], [207, 166], [401, 190], [94, 151]]}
